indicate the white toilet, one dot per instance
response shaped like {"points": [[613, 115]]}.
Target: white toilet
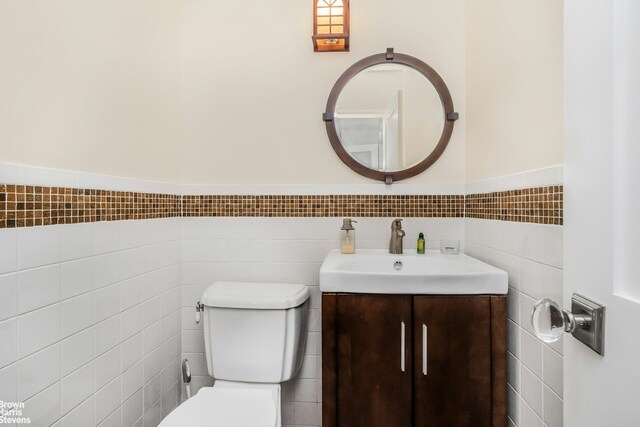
{"points": [[254, 336]]}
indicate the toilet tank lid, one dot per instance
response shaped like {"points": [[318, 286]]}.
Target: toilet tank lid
{"points": [[251, 295]]}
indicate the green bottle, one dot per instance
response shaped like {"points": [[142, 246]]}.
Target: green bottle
{"points": [[421, 243]]}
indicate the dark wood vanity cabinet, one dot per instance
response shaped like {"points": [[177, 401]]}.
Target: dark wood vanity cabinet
{"points": [[374, 369]]}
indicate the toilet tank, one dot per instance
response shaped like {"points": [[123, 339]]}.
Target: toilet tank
{"points": [[254, 332]]}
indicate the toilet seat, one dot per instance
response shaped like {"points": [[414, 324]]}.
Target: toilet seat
{"points": [[229, 404]]}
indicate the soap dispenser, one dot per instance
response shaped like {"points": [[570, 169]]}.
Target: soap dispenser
{"points": [[348, 236]]}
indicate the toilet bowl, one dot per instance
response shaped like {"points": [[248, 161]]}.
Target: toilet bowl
{"points": [[229, 404], [254, 337]]}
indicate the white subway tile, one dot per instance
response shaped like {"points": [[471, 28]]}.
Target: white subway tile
{"points": [[531, 390], [526, 308], [513, 338], [113, 420], [8, 250], [82, 415], [76, 388], [171, 301], [9, 383], [170, 375], [152, 364], [106, 237], [306, 413], [38, 287], [38, 329], [514, 405], [153, 415], [132, 410], [9, 340], [132, 381], [531, 353], [38, 246], [76, 314], [38, 371], [170, 349], [106, 270], [553, 371], [76, 277], [131, 292], [305, 390], [76, 241], [528, 418], [170, 399], [552, 409], [107, 400], [76, 351], [9, 292], [131, 322], [193, 341], [151, 338], [151, 311], [107, 335], [44, 407], [106, 302], [513, 307], [513, 371], [107, 367], [170, 325], [131, 351], [152, 392]]}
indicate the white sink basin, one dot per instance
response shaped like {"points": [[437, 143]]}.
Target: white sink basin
{"points": [[375, 271]]}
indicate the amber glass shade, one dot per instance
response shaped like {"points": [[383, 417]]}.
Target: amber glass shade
{"points": [[331, 25]]}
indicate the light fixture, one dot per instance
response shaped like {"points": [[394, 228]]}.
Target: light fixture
{"points": [[331, 26]]}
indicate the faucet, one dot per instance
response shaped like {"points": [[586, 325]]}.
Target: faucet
{"points": [[395, 244]]}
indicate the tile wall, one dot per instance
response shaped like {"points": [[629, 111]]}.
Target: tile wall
{"points": [[280, 249], [532, 256], [95, 317], [90, 322]]}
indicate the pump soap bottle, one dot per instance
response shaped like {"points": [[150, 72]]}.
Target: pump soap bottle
{"points": [[348, 237]]}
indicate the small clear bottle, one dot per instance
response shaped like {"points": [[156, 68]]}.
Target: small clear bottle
{"points": [[348, 236], [421, 243]]}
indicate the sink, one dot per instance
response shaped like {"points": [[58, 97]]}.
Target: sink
{"points": [[375, 271]]}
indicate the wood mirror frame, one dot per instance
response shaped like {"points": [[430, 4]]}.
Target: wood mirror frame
{"points": [[423, 68]]}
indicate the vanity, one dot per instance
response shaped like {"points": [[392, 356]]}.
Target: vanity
{"points": [[413, 340]]}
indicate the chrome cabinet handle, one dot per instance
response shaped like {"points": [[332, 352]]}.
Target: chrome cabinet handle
{"points": [[402, 346], [424, 349]]}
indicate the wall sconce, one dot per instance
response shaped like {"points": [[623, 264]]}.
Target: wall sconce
{"points": [[331, 26]]}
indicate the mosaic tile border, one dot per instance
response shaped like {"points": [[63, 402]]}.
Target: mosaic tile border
{"points": [[440, 206], [27, 206], [541, 205]]}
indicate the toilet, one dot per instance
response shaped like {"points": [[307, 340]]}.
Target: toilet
{"points": [[254, 335]]}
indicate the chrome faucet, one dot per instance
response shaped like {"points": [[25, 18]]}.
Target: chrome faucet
{"points": [[395, 244]]}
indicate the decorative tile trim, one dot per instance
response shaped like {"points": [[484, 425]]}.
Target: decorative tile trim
{"points": [[27, 206], [445, 206], [542, 205]]}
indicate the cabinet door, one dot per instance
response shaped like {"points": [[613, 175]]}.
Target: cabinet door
{"points": [[452, 378], [374, 368]]}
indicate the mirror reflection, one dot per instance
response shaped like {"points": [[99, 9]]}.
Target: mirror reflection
{"points": [[389, 117]]}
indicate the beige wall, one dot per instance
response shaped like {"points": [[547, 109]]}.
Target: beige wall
{"points": [[514, 86], [91, 85], [209, 92], [254, 90]]}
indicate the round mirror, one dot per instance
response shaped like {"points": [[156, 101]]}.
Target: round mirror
{"points": [[389, 116]]}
